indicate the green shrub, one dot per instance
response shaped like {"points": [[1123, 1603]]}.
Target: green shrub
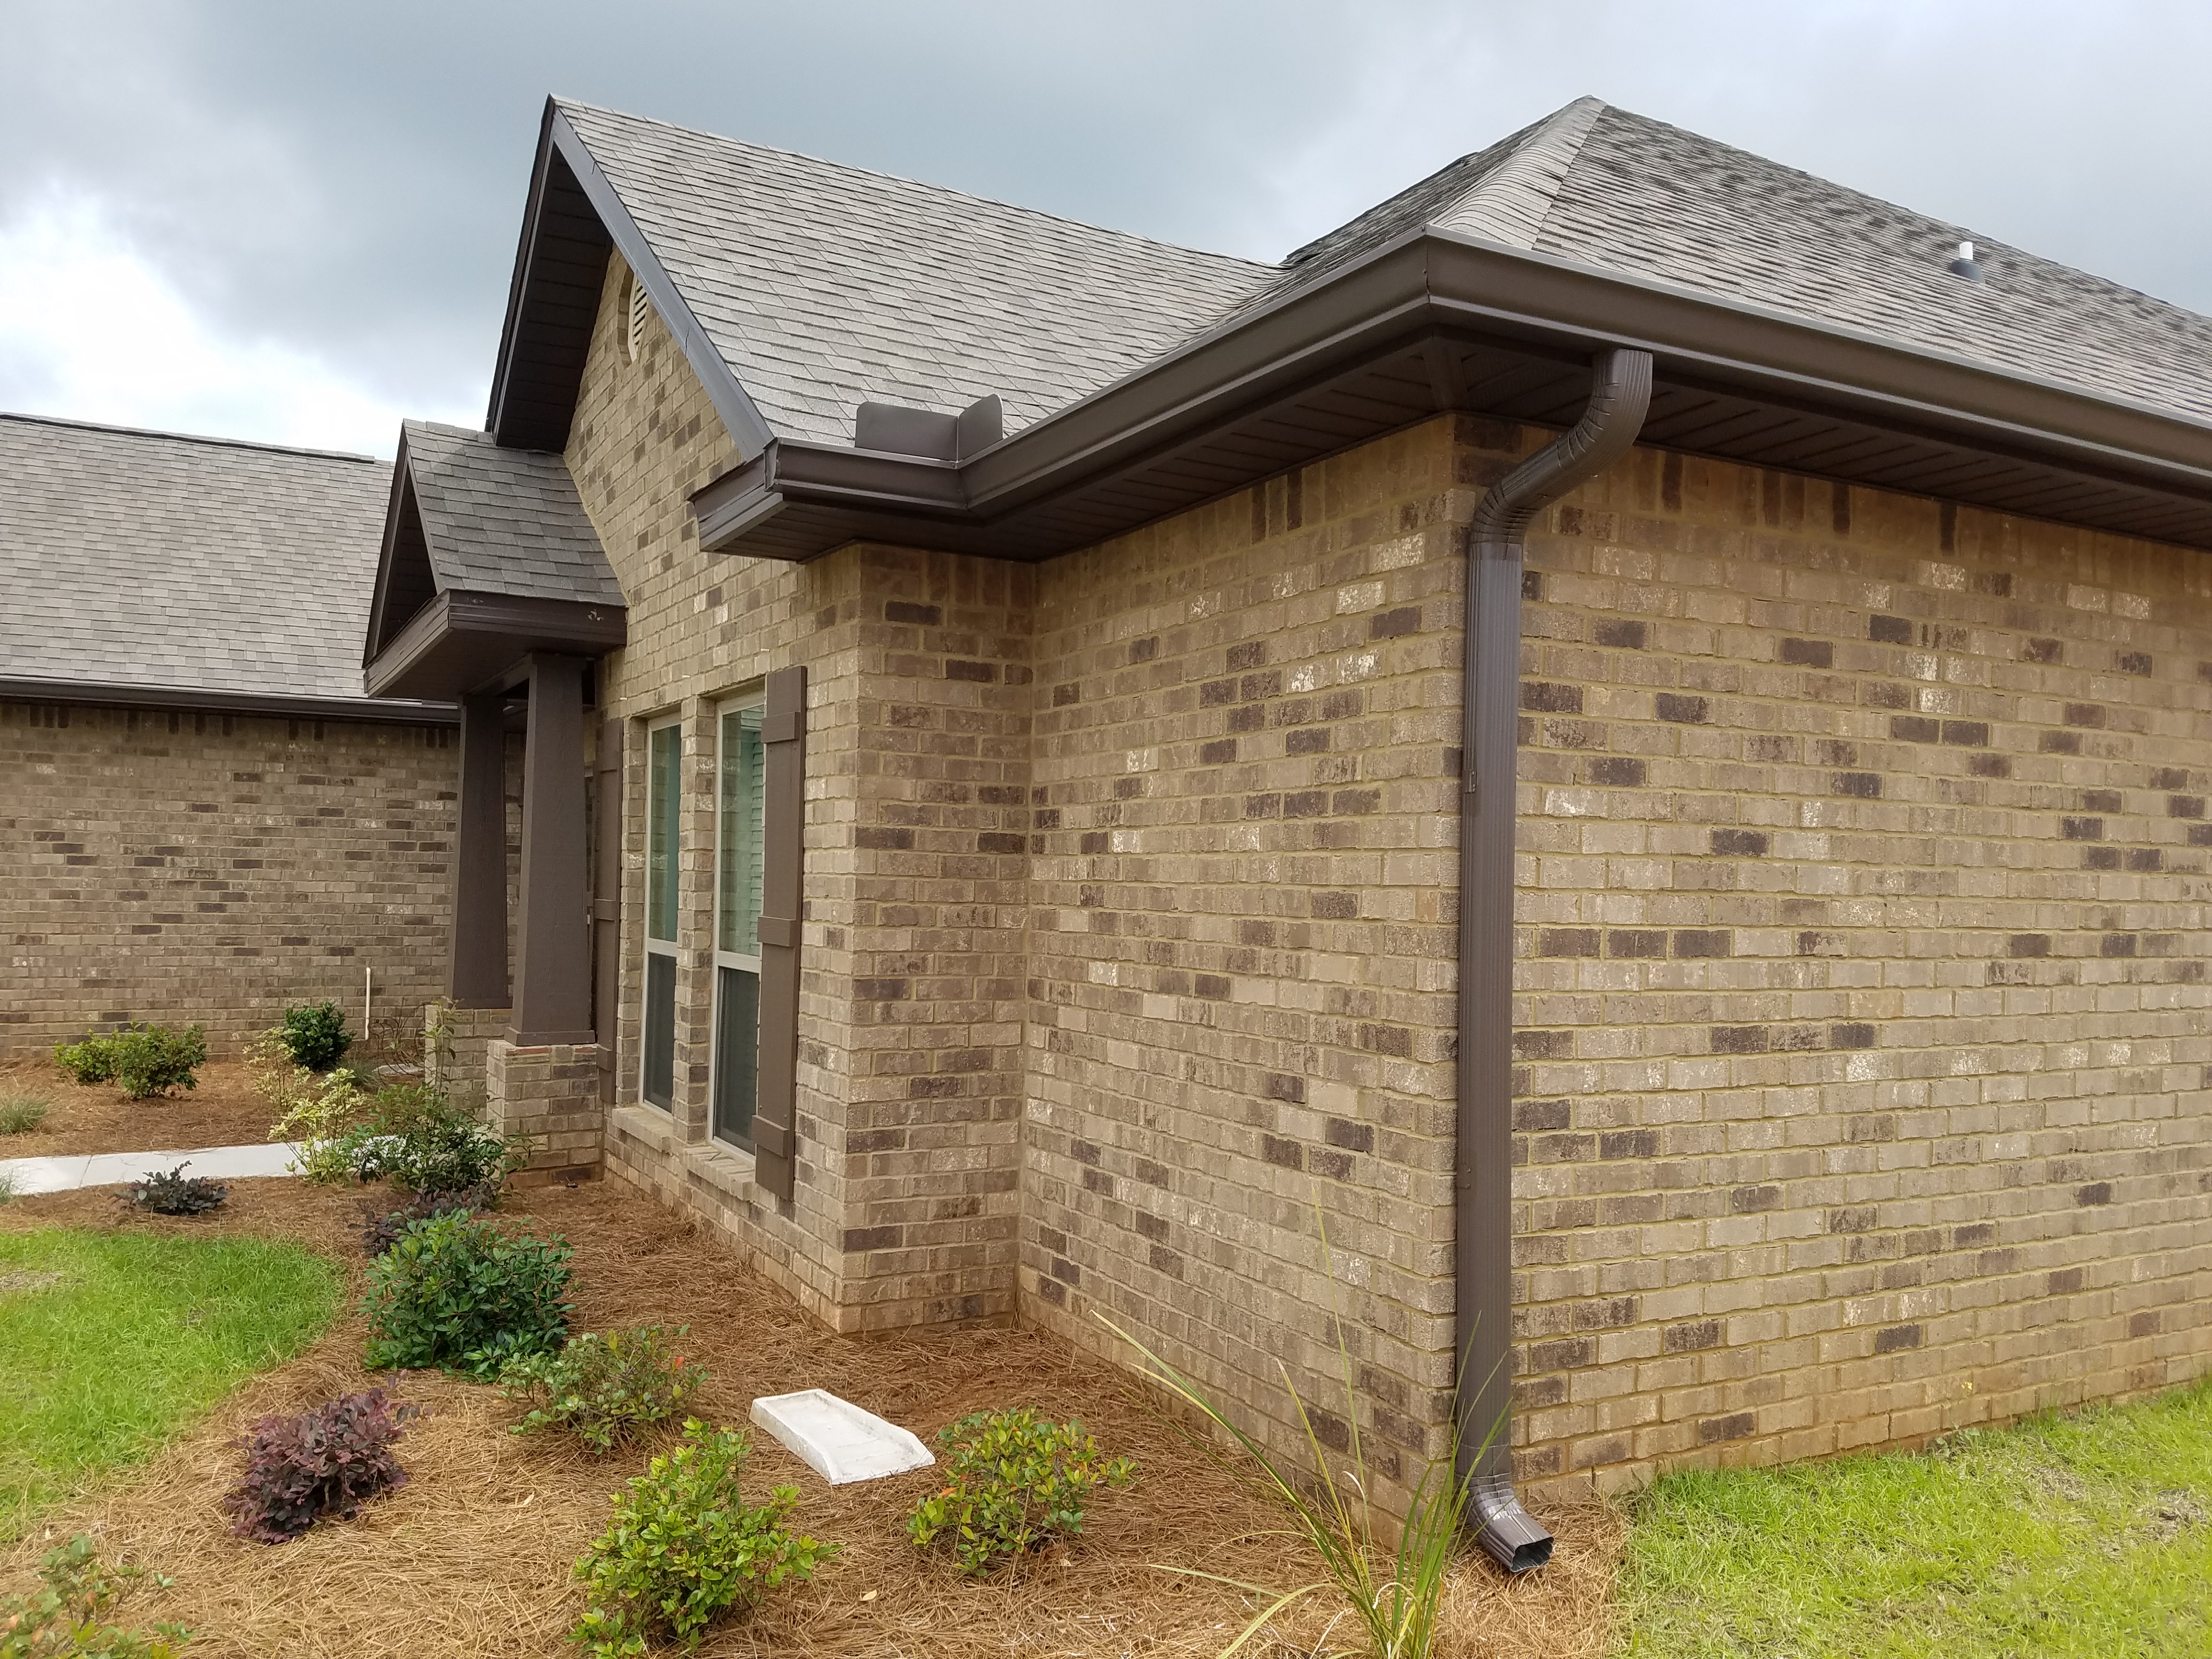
{"points": [[91, 1060], [683, 1549], [427, 1144], [328, 1117], [315, 1036], [381, 1227], [603, 1388], [1013, 1484], [21, 1114], [66, 1617], [456, 1292]]}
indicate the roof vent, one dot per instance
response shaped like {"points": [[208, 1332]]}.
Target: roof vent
{"points": [[897, 430], [1964, 265], [640, 306]]}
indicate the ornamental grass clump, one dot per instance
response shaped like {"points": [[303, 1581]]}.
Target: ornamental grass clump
{"points": [[457, 1292], [172, 1191], [1013, 1484], [321, 1464], [683, 1549], [604, 1388], [66, 1617], [21, 1114]]}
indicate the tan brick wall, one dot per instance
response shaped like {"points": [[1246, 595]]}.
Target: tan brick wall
{"points": [[1862, 992], [1861, 999], [178, 867]]}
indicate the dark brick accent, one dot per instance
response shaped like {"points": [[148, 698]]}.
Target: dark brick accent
{"points": [[1539, 697], [1968, 734], [1394, 624], [1544, 1045], [957, 669], [1853, 1219], [1741, 843], [883, 840], [1865, 786], [1280, 1086], [1565, 1355], [1212, 987], [2029, 944], [1742, 1039], [2185, 806], [1809, 654], [1688, 1338], [1285, 1154], [2064, 1282], [1636, 942], [1713, 1429], [2117, 945], [1628, 1143], [1620, 771], [1567, 942], [2095, 1193], [1915, 728], [857, 1239], [1620, 635], [1746, 1201], [1351, 1137], [1249, 654], [904, 610], [1692, 942], [2043, 651], [1897, 1338], [1890, 630], [2133, 662], [1218, 753], [882, 990], [1683, 710], [2085, 714]]}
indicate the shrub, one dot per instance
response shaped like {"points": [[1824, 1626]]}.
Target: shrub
{"points": [[455, 1292], [429, 1144], [381, 1228], [328, 1116], [21, 1114], [326, 1461], [1014, 1484], [90, 1060], [315, 1036], [603, 1388], [683, 1549], [66, 1617], [172, 1191], [145, 1059]]}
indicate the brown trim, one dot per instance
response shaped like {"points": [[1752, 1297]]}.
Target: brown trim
{"points": [[606, 898], [476, 973], [461, 640], [118, 696], [552, 940], [783, 815]]}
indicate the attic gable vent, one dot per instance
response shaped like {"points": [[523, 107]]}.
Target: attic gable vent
{"points": [[640, 308]]}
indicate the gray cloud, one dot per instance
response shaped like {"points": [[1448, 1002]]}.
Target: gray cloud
{"points": [[348, 180]]}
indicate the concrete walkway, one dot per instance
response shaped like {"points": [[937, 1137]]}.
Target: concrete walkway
{"points": [[72, 1171]]}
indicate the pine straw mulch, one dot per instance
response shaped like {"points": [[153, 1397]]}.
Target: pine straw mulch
{"points": [[472, 1557], [95, 1117]]}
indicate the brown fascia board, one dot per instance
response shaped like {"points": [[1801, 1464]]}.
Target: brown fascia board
{"points": [[121, 695], [401, 500], [461, 640], [1431, 281], [557, 138]]}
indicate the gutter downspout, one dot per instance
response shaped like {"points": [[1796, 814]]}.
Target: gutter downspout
{"points": [[1620, 393]]}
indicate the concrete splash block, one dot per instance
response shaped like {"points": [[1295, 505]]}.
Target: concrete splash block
{"points": [[836, 1439]]}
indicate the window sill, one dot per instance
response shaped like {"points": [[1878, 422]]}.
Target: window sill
{"points": [[727, 1169]]}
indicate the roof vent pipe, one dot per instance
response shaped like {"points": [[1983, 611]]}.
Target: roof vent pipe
{"points": [[1620, 393], [1964, 265]]}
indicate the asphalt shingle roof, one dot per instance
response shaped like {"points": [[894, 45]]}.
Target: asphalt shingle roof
{"points": [[504, 520], [824, 285], [150, 560]]}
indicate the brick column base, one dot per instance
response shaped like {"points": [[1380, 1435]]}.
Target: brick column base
{"points": [[552, 1095], [453, 1041]]}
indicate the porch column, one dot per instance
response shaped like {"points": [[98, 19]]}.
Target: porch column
{"points": [[476, 973], [553, 945]]}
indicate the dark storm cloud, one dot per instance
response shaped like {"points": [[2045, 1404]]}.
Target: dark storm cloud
{"points": [[348, 180]]}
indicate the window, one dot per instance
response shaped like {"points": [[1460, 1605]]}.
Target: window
{"points": [[739, 772], [663, 805]]}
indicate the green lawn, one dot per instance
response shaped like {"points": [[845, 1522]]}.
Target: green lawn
{"points": [[2089, 1536], [109, 1342]]}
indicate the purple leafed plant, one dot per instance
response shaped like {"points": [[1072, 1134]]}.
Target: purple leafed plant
{"points": [[326, 1461]]}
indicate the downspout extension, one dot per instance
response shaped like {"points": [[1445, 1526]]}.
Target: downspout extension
{"points": [[1620, 393]]}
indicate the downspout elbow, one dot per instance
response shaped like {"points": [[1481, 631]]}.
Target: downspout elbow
{"points": [[1620, 395]]}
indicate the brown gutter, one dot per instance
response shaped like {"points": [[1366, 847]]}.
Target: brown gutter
{"points": [[123, 694], [1483, 1247]]}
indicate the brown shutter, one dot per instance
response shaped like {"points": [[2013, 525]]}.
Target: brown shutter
{"points": [[783, 813], [606, 898]]}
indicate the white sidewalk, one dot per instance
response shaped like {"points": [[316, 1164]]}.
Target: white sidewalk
{"points": [[66, 1173]]}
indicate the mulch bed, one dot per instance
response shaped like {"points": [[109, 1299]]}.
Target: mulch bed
{"points": [[95, 1117], [473, 1555]]}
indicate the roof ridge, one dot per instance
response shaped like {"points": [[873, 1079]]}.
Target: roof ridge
{"points": [[187, 437], [1023, 209], [1511, 201]]}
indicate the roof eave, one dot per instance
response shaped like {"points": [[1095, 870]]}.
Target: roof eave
{"points": [[461, 641], [198, 700]]}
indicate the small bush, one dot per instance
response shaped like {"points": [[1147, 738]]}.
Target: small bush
{"points": [[381, 1228], [21, 1114], [429, 1145], [315, 1036], [604, 1389], [65, 1618], [172, 1191], [683, 1549], [457, 1292], [1014, 1485], [89, 1060], [325, 1462]]}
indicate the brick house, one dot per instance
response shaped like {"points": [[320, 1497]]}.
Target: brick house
{"points": [[1018, 823], [202, 815]]}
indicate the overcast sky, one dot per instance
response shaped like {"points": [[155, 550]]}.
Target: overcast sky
{"points": [[296, 221]]}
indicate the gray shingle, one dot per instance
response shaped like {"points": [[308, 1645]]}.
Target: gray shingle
{"points": [[824, 286], [504, 520], [146, 559]]}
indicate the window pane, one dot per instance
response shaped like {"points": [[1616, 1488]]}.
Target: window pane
{"points": [[662, 802], [739, 873], [737, 1053], [659, 1081]]}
